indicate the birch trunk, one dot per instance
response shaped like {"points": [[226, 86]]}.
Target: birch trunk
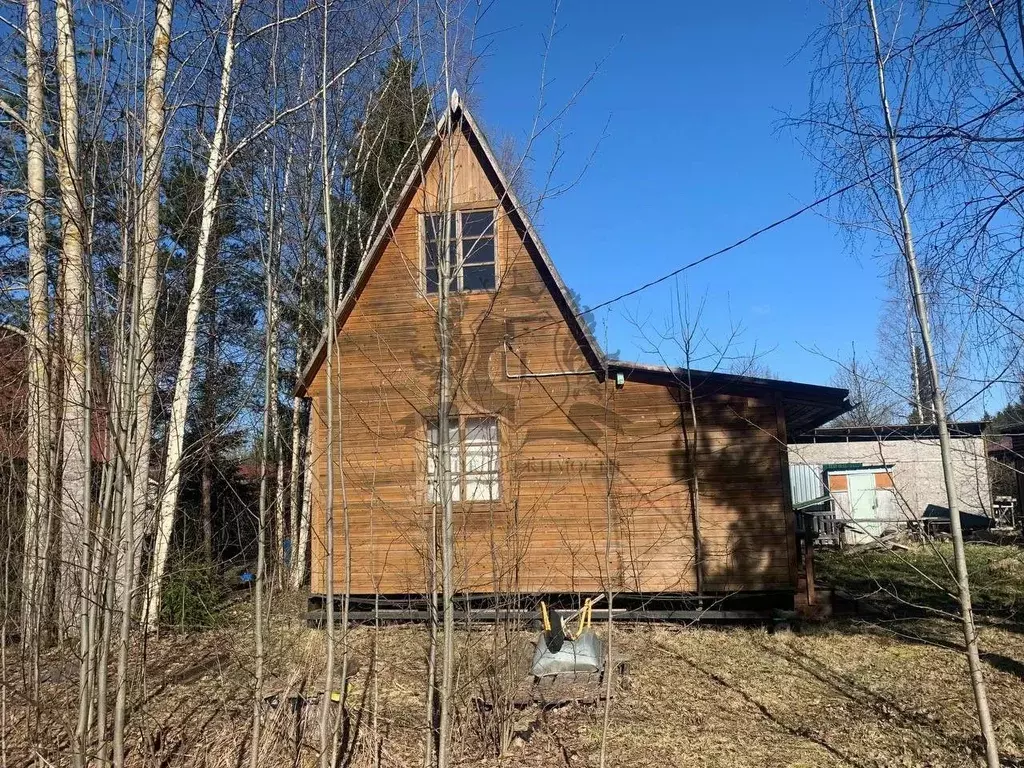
{"points": [[299, 574], [74, 503], [147, 266], [300, 529], [326, 759], [183, 382], [269, 404], [301, 472], [939, 409], [444, 463], [117, 489], [38, 470], [278, 213], [326, 742], [274, 433], [330, 737], [125, 605], [74, 584]]}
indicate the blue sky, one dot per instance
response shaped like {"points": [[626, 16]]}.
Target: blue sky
{"points": [[688, 100]]}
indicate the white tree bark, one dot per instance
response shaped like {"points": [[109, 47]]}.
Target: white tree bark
{"points": [[301, 471], [38, 470], [444, 474], [939, 408], [273, 352], [183, 382], [141, 352], [269, 406], [326, 732], [300, 522], [74, 504], [147, 269], [74, 586], [301, 455]]}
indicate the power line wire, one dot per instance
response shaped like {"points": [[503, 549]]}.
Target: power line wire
{"points": [[949, 133]]}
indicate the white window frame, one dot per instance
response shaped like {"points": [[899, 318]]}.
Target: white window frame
{"points": [[481, 482], [476, 483]]}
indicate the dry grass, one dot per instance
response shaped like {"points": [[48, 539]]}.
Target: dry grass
{"points": [[833, 695]]}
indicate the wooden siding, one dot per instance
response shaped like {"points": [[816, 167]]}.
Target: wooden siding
{"points": [[579, 459]]}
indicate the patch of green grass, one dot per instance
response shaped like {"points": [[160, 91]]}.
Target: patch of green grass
{"points": [[921, 576]]}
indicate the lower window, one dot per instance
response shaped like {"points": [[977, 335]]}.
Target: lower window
{"points": [[472, 459]]}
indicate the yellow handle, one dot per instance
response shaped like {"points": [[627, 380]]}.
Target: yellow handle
{"points": [[544, 616], [584, 617]]}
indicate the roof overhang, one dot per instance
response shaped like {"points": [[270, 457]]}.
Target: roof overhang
{"points": [[876, 432], [806, 406]]}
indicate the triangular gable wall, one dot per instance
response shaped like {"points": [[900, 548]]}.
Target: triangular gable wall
{"points": [[458, 117]]}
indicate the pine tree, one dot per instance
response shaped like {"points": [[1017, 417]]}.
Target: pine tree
{"points": [[383, 152], [392, 126]]}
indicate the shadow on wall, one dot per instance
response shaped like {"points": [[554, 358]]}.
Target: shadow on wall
{"points": [[742, 510]]}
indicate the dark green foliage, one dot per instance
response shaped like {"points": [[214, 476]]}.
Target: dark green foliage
{"points": [[227, 333], [379, 161], [393, 124], [181, 213], [192, 593], [228, 346]]}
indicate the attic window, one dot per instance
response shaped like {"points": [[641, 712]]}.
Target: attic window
{"points": [[470, 251]]}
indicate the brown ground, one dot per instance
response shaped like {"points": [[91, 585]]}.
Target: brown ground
{"points": [[839, 694]]}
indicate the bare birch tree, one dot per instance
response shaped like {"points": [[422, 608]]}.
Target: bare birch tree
{"points": [[301, 470], [938, 405], [269, 404], [74, 506], [444, 448], [36, 535], [148, 280], [183, 381], [326, 730]]}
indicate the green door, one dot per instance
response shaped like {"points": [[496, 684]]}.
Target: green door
{"points": [[866, 526]]}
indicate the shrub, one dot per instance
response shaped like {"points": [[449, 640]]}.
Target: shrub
{"points": [[191, 594]]}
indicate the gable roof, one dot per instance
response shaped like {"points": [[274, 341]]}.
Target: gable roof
{"points": [[457, 116]]}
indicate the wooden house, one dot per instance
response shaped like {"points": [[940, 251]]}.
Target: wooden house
{"points": [[572, 472]]}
